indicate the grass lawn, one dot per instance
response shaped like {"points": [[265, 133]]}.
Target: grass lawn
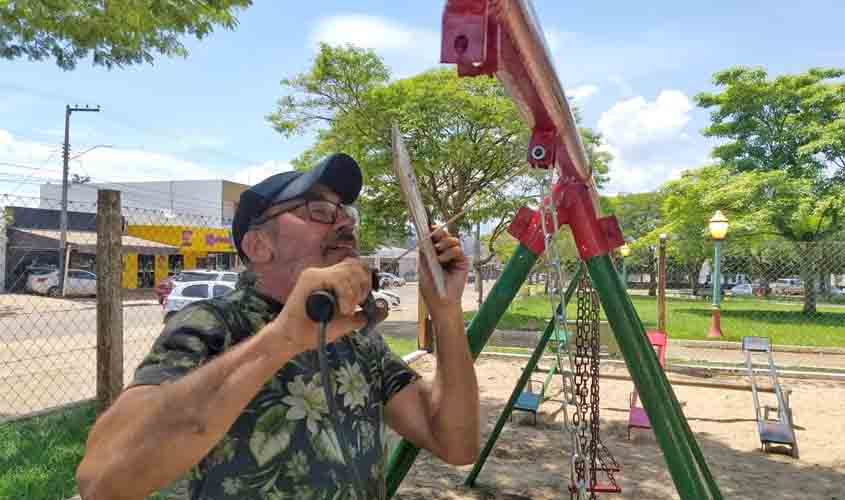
{"points": [[38, 457], [689, 319], [401, 346]]}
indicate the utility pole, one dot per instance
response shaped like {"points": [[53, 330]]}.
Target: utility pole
{"points": [[63, 254]]}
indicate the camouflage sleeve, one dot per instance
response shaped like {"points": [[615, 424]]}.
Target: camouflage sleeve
{"points": [[190, 338], [396, 374]]}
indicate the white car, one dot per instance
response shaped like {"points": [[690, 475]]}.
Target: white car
{"points": [[388, 279], [193, 291], [743, 289], [79, 283], [386, 299]]}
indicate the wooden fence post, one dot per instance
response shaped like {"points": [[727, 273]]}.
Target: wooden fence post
{"points": [[662, 277], [109, 298]]}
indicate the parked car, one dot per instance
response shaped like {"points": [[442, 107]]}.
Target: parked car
{"points": [[193, 291], [788, 286], [744, 289], [33, 271], [79, 283], [388, 279], [165, 286], [386, 299]]}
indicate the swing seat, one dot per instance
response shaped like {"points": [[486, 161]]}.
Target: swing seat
{"points": [[529, 401], [598, 487], [637, 417]]}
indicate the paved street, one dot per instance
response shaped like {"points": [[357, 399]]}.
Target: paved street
{"points": [[48, 346]]}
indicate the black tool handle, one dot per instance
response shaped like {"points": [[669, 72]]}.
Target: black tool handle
{"points": [[322, 304]]}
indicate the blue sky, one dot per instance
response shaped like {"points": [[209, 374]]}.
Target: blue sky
{"points": [[632, 68]]}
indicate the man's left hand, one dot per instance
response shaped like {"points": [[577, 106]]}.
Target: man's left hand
{"points": [[455, 269]]}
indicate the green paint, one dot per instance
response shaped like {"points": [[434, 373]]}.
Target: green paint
{"points": [[523, 380], [686, 463], [478, 333]]}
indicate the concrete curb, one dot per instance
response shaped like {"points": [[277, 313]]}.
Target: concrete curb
{"points": [[735, 346], [703, 369], [723, 345]]}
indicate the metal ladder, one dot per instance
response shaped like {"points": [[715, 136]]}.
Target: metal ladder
{"points": [[778, 431]]}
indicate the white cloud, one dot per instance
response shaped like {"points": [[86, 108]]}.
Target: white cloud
{"points": [[650, 142], [582, 92], [406, 50], [636, 121], [373, 32], [24, 164], [256, 173]]}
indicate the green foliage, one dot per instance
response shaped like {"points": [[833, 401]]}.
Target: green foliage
{"points": [[39, 456], [792, 123], [114, 33], [464, 136]]}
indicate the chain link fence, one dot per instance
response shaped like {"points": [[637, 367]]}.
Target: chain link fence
{"points": [[48, 312], [791, 292]]}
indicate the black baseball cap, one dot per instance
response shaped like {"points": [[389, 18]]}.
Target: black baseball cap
{"points": [[339, 172]]}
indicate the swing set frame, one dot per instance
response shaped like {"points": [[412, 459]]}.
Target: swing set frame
{"points": [[503, 38]]}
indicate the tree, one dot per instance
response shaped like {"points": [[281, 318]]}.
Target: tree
{"points": [[638, 215], [790, 131], [464, 136], [791, 123], [685, 209], [115, 33]]}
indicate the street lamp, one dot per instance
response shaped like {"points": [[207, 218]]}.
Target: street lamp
{"points": [[718, 230], [624, 251]]}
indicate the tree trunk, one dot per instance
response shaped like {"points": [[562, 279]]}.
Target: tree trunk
{"points": [[692, 278], [808, 275]]}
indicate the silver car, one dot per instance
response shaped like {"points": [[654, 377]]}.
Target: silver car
{"points": [[79, 283], [193, 291]]}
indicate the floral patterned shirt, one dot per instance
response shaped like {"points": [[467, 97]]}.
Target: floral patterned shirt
{"points": [[284, 444]]}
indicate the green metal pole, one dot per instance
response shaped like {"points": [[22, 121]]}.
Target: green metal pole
{"points": [[478, 333], [686, 463], [717, 275], [624, 274], [523, 380]]}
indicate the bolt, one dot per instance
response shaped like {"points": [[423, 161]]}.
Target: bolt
{"points": [[538, 152], [461, 44]]}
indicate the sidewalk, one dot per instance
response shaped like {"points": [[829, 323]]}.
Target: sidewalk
{"points": [[12, 304]]}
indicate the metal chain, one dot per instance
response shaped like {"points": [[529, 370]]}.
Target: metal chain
{"points": [[600, 458], [583, 372], [554, 279]]}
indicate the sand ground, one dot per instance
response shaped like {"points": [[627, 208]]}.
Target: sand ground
{"points": [[533, 461]]}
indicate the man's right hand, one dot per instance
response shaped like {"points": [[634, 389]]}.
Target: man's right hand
{"points": [[349, 280]]}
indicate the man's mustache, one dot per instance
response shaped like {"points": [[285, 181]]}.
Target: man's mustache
{"points": [[341, 236]]}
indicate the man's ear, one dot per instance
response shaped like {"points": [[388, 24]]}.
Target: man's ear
{"points": [[257, 247]]}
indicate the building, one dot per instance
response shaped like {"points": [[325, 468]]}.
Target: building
{"points": [[204, 203], [33, 240], [192, 217]]}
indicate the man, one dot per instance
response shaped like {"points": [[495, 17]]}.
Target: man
{"points": [[231, 391]]}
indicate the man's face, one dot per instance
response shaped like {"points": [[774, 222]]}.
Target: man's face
{"points": [[300, 241]]}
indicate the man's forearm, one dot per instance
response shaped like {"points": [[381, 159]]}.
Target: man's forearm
{"points": [[132, 451], [455, 415]]}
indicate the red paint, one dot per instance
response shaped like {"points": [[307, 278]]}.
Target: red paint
{"points": [[475, 41], [715, 324]]}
